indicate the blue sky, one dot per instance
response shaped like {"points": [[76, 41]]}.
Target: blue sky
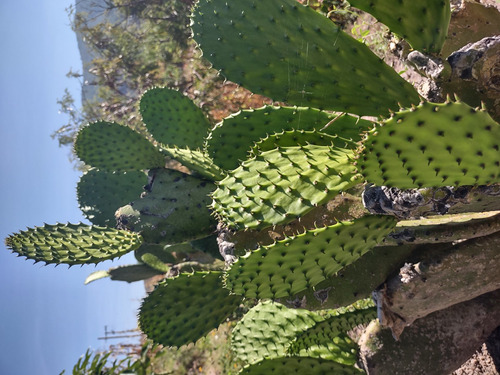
{"points": [[48, 317]]}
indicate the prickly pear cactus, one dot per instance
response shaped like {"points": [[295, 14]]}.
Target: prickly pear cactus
{"points": [[290, 53], [297, 263], [173, 209], [279, 185], [173, 119], [113, 147], [72, 243], [129, 273], [329, 339], [197, 161], [267, 329], [433, 145], [293, 138], [184, 309], [101, 193], [230, 141], [423, 23]]}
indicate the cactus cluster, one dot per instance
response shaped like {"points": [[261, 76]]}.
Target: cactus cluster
{"points": [[266, 168]]}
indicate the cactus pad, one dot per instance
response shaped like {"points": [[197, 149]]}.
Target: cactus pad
{"points": [[101, 193], [292, 138], [182, 310], [267, 329], [423, 23], [72, 243], [299, 365], [433, 145], [358, 280], [290, 53], [129, 273], [279, 185], [329, 340], [173, 119], [113, 147], [196, 160], [174, 209], [231, 139], [297, 263]]}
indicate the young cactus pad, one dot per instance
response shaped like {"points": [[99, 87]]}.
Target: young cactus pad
{"points": [[173, 119], [174, 208], [113, 147], [293, 54], [229, 141], [129, 273], [72, 243], [280, 185], [423, 23], [101, 193], [299, 365], [297, 263], [184, 309], [433, 145], [267, 330]]}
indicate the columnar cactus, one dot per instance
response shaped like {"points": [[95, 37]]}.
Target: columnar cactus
{"points": [[273, 174]]}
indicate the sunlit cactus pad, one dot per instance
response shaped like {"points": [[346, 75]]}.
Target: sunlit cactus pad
{"points": [[113, 147], [101, 193], [182, 310], [279, 185], [231, 139], [329, 340], [291, 53], [72, 243], [173, 119], [433, 145], [299, 365], [423, 23], [301, 262], [292, 138], [173, 209], [267, 329]]}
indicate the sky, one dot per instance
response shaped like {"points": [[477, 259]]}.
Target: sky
{"points": [[48, 317]]}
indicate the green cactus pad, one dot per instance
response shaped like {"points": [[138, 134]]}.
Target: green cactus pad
{"points": [[72, 243], [155, 256], [113, 147], [129, 273], [329, 340], [173, 119], [423, 23], [231, 139], [267, 329], [292, 138], [433, 145], [196, 160], [174, 209], [297, 263], [358, 280], [293, 54], [280, 185], [182, 310], [299, 365], [101, 193]]}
